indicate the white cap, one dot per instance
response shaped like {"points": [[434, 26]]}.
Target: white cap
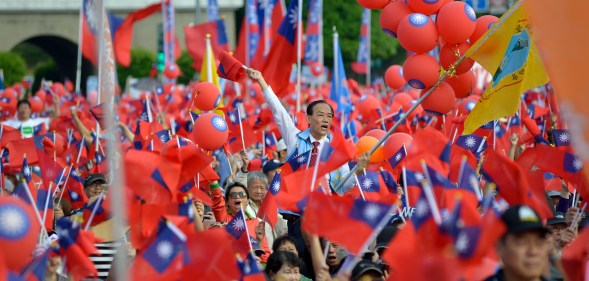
{"points": [[280, 146]]}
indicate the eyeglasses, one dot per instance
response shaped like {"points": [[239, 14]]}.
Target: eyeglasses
{"points": [[236, 195]]}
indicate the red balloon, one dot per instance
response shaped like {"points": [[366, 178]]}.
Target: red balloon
{"points": [[186, 150], [417, 33], [394, 143], [256, 92], [421, 71], [450, 53], [376, 133], [394, 77], [391, 16], [19, 232], [210, 131], [482, 25], [426, 7], [373, 4], [206, 96], [441, 101], [406, 102], [367, 104], [58, 89], [414, 93], [171, 71], [365, 144], [462, 84], [467, 104], [317, 69], [36, 104], [456, 22]]}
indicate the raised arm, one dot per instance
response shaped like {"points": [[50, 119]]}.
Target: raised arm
{"points": [[287, 128], [81, 127]]}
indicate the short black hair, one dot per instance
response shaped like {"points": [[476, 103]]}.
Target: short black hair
{"points": [[234, 185], [281, 240], [279, 258], [23, 101], [314, 103]]}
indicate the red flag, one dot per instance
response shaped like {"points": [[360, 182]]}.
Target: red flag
{"points": [[18, 149], [336, 217], [140, 180], [269, 209], [124, 35], [230, 68], [195, 36], [283, 53], [575, 256], [211, 256]]}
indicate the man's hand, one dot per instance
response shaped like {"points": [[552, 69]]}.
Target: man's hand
{"points": [[257, 76], [363, 161], [244, 161], [567, 236], [514, 139], [261, 231], [570, 215]]}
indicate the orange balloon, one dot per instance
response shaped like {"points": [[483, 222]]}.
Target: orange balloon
{"points": [[366, 143], [441, 101], [414, 93], [456, 22], [483, 24], [376, 133], [421, 71], [394, 143], [58, 89], [316, 69], [172, 71], [426, 7], [391, 16], [36, 104], [19, 232], [367, 104], [373, 4], [210, 131], [450, 53], [417, 33], [206, 96], [394, 77], [407, 102], [462, 84]]}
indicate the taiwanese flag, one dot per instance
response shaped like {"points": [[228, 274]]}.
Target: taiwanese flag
{"points": [[360, 66], [230, 68], [238, 130], [35, 271], [564, 165], [377, 186], [51, 171], [162, 259], [295, 162], [469, 181], [562, 138], [575, 256], [91, 29], [269, 209], [283, 52], [457, 155], [336, 217], [101, 209], [74, 190], [237, 227], [336, 153], [475, 143], [250, 269], [412, 182], [397, 157], [76, 245], [98, 113], [211, 257], [195, 36]]}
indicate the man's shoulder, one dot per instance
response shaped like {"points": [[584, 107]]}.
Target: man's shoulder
{"points": [[12, 123]]}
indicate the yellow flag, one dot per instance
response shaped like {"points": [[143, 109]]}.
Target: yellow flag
{"points": [[510, 55], [208, 71]]}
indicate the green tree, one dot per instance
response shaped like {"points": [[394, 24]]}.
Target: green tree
{"points": [[346, 17], [141, 62], [14, 66], [185, 62], [34, 56], [48, 71]]}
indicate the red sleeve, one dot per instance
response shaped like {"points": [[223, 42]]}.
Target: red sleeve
{"points": [[219, 205]]}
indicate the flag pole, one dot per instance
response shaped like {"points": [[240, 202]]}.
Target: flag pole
{"points": [[368, 61], [320, 13], [80, 44], [477, 45], [299, 41]]}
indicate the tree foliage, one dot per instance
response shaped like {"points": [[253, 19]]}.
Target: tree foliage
{"points": [[47, 70], [141, 62], [14, 66], [184, 62]]}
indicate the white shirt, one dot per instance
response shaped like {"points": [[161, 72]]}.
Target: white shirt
{"points": [[27, 127]]}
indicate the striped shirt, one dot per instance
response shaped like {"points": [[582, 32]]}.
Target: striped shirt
{"points": [[103, 261]]}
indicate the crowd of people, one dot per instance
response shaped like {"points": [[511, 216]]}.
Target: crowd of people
{"points": [[529, 248]]}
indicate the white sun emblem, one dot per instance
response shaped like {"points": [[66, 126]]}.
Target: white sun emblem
{"points": [[564, 137], [74, 195], [11, 221], [470, 142], [371, 212], [220, 124], [26, 172], [233, 118], [419, 177], [276, 187], [418, 19], [473, 180], [293, 17], [398, 157], [190, 212], [239, 224], [165, 249], [422, 208], [462, 242], [577, 164], [163, 138], [91, 16], [301, 159], [367, 184]]}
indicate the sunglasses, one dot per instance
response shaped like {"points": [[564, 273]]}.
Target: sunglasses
{"points": [[236, 195]]}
